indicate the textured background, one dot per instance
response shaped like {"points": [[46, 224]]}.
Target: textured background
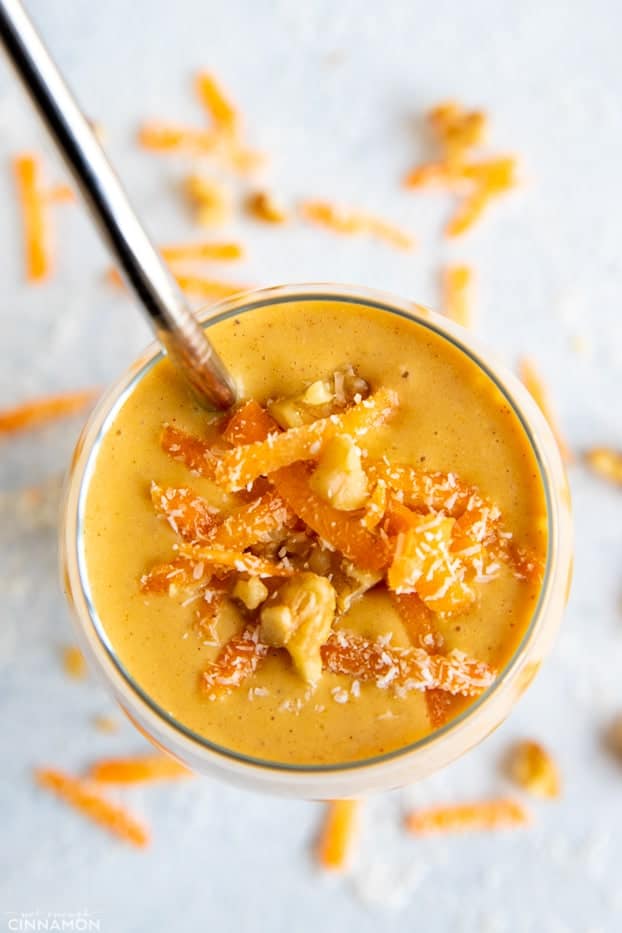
{"points": [[335, 93]]}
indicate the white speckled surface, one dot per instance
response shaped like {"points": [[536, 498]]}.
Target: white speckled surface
{"points": [[334, 91]]}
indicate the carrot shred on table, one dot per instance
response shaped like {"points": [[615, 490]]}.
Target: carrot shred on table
{"points": [[468, 212], [83, 796], [224, 115], [106, 724], [491, 814], [457, 289], [137, 770], [335, 844], [45, 409], [208, 288], [74, 664], [534, 384], [222, 252], [27, 171], [607, 462], [168, 137], [351, 222], [210, 199]]}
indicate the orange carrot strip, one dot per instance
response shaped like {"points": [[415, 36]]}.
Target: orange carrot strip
{"points": [[208, 288], [189, 514], [172, 577], [42, 410], [466, 817], [217, 251], [337, 836], [81, 794], [166, 137], [242, 465], [242, 561], [223, 113], [404, 668], [606, 462], [238, 660], [248, 424], [431, 173], [253, 522], [496, 175], [198, 455], [457, 287], [137, 770], [429, 491], [419, 622], [468, 212], [350, 222], [533, 383], [27, 170], [340, 530]]}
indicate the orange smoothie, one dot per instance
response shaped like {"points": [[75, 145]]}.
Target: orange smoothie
{"points": [[337, 568]]}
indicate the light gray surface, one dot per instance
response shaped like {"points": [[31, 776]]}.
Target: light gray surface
{"points": [[334, 93]]}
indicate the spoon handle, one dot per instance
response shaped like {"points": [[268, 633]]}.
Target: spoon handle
{"points": [[173, 323]]}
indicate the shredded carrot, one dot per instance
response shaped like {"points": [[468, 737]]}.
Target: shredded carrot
{"points": [[27, 170], [86, 798], [224, 115], [242, 561], [350, 222], [467, 817], [457, 287], [249, 423], [263, 206], [535, 386], [457, 130], [468, 212], [189, 514], [42, 410], [137, 770], [237, 468], [74, 663], [208, 288], [334, 847], [166, 137], [606, 462], [216, 251], [238, 660], [253, 522], [404, 668], [173, 577]]}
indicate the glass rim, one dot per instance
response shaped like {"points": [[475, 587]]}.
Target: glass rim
{"points": [[104, 415]]}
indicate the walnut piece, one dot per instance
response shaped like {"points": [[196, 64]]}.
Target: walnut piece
{"points": [[339, 477]]}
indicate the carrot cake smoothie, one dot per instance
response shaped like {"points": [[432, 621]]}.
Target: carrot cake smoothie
{"points": [[337, 567]]}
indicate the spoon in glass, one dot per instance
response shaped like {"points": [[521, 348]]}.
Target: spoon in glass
{"points": [[157, 293]]}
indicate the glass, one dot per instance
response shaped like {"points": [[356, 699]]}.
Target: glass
{"points": [[396, 768]]}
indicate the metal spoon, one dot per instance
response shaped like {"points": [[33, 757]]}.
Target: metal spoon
{"points": [[173, 323]]}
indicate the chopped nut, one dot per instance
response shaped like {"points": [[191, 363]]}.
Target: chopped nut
{"points": [[74, 663], [532, 768], [263, 206], [318, 393], [300, 618], [211, 199], [606, 462], [339, 477], [251, 592], [277, 625], [355, 584]]}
